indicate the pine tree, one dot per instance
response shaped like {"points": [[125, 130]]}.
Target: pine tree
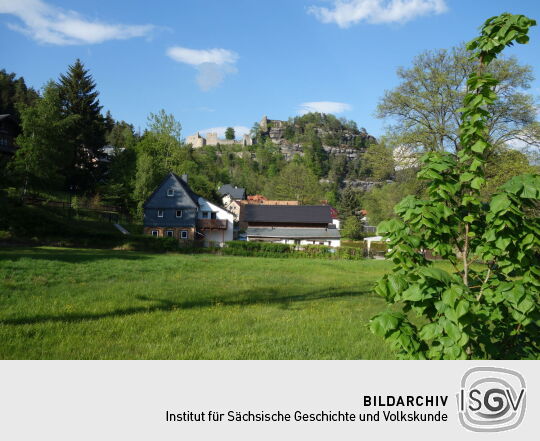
{"points": [[80, 98]]}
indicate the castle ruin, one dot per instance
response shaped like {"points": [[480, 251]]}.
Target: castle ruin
{"points": [[198, 141]]}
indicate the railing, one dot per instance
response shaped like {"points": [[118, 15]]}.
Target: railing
{"points": [[212, 224]]}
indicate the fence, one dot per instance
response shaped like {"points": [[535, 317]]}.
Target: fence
{"points": [[107, 213]]}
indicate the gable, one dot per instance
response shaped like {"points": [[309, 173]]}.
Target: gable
{"points": [[183, 196]]}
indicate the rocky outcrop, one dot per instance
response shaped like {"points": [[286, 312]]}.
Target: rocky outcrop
{"points": [[290, 150], [347, 151], [364, 185]]}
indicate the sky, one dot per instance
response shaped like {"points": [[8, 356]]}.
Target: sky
{"points": [[220, 63]]}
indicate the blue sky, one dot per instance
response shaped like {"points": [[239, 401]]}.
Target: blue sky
{"points": [[219, 63]]}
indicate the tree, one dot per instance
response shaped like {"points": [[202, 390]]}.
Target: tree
{"points": [[315, 156], [159, 152], [295, 182], [163, 138], [352, 228], [490, 310], [425, 106], [503, 165], [14, 93], [42, 156], [79, 97], [229, 133], [377, 163], [379, 202], [121, 135], [349, 201]]}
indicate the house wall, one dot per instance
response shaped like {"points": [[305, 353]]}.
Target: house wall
{"points": [[169, 219], [177, 232], [216, 236], [335, 243]]}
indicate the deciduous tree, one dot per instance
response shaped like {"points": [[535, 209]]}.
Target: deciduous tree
{"points": [[488, 306]]}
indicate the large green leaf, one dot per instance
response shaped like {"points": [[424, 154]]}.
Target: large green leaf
{"points": [[499, 203]]}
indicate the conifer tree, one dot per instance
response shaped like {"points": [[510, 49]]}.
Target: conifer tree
{"points": [[79, 98]]}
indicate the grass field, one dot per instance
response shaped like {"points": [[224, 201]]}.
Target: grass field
{"points": [[96, 304]]}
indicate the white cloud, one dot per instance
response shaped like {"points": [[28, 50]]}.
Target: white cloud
{"points": [[197, 57], [212, 64], [323, 107], [49, 24], [348, 12], [238, 131]]}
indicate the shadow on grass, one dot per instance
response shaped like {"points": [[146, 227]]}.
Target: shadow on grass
{"points": [[68, 255], [245, 298]]}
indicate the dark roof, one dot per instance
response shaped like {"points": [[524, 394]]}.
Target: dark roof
{"points": [[305, 214], [293, 233], [235, 192], [5, 115], [190, 193]]}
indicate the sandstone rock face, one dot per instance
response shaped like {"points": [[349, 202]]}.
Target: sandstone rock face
{"points": [[347, 151], [289, 150], [348, 141], [364, 185]]}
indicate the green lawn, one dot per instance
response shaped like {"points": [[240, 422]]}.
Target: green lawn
{"points": [[95, 304]]}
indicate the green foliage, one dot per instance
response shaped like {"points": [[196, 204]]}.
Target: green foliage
{"points": [[378, 163], [503, 165], [295, 182], [379, 202], [349, 203], [229, 133], [352, 228], [475, 312], [43, 156], [86, 137], [424, 107], [268, 249], [14, 94]]}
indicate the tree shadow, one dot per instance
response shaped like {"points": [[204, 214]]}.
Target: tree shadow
{"points": [[68, 255], [268, 296]]}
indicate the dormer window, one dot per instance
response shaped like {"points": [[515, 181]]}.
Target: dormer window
{"points": [[170, 192], [160, 213], [178, 213]]}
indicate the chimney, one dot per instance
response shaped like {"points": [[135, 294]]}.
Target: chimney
{"points": [[185, 178]]}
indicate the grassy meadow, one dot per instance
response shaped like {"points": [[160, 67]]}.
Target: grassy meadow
{"points": [[58, 303]]}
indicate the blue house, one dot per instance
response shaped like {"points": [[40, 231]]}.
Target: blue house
{"points": [[174, 210]]}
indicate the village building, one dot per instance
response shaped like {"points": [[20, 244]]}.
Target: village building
{"points": [[231, 197], [174, 210], [290, 224]]}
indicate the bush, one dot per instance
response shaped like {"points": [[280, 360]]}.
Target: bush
{"points": [[261, 249], [268, 249]]}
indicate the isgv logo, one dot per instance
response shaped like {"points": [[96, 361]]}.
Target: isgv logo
{"points": [[491, 399]]}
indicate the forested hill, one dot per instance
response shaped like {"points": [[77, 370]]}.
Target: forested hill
{"points": [[309, 158], [330, 131]]}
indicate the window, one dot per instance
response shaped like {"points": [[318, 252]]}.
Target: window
{"points": [[155, 233], [170, 233], [183, 234], [178, 213], [206, 215], [170, 192], [160, 213]]}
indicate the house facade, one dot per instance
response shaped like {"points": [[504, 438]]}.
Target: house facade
{"points": [[290, 224], [174, 210]]}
